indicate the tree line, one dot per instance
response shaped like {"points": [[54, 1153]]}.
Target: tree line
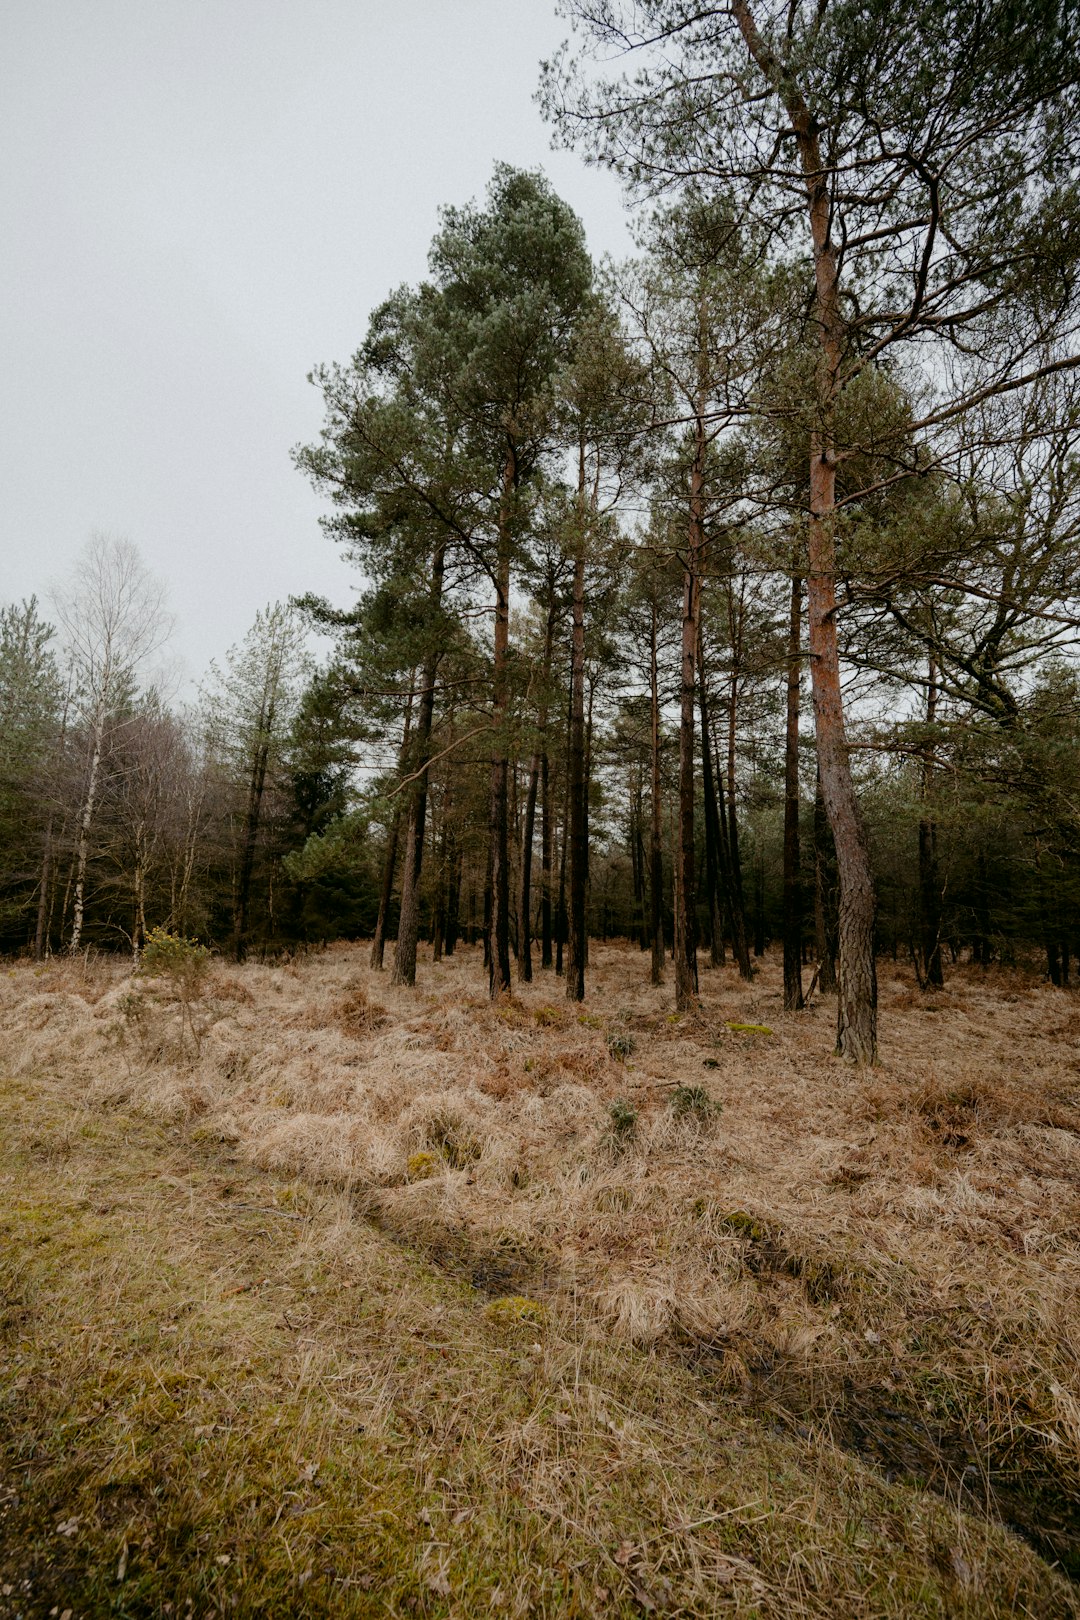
{"points": [[614, 524]]}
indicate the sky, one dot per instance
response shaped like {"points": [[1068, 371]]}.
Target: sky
{"points": [[201, 200]]}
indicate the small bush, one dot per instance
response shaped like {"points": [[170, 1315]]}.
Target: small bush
{"points": [[182, 961], [183, 964]]}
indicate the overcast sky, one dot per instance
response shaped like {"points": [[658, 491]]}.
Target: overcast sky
{"points": [[200, 200]]}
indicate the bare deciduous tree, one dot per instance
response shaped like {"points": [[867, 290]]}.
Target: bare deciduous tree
{"points": [[113, 616]]}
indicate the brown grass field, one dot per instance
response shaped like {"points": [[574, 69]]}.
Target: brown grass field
{"points": [[330, 1298]]}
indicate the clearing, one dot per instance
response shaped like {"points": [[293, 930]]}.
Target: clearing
{"points": [[335, 1299]]}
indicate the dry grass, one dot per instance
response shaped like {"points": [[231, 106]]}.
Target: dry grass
{"points": [[881, 1263]]}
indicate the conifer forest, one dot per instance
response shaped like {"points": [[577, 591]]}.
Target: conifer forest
{"points": [[721, 597], [652, 897]]}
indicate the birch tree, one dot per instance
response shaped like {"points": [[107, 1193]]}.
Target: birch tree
{"points": [[113, 617], [250, 707]]}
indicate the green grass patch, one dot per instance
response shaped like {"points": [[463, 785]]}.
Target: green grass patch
{"points": [[220, 1393]]}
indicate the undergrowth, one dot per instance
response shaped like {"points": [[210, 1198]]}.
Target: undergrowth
{"points": [[866, 1280]]}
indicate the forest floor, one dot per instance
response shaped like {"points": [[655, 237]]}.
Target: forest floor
{"points": [[340, 1299]]}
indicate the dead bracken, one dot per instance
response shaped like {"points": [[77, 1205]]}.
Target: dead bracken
{"points": [[883, 1261]]}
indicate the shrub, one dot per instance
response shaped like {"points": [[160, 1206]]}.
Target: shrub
{"points": [[182, 961]]}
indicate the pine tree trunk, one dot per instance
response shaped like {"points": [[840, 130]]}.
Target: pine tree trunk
{"points": [[454, 859], [386, 894], [408, 930], [560, 910], [929, 879], [438, 915], [409, 917], [545, 859], [857, 971], [579, 836], [712, 825], [487, 900], [588, 790], [637, 857], [656, 827], [444, 936], [393, 839], [525, 902], [793, 911], [731, 833], [857, 978], [686, 974], [537, 769], [644, 935], [825, 896], [933, 971], [730, 887], [498, 922]]}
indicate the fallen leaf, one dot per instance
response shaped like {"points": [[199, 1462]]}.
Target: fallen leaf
{"points": [[67, 1527], [439, 1583], [624, 1553], [121, 1568]]}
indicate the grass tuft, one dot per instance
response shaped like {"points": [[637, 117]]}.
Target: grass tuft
{"points": [[853, 1309]]}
